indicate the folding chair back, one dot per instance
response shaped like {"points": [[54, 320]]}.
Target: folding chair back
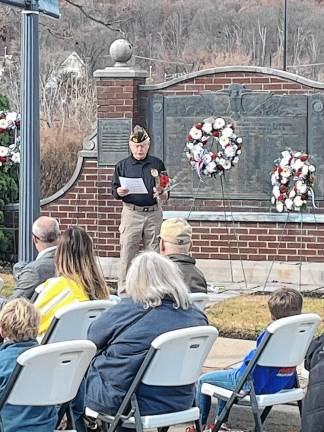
{"points": [[290, 339], [180, 355], [284, 345], [72, 322], [175, 358], [199, 299], [49, 375]]}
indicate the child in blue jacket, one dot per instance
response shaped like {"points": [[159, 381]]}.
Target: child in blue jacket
{"points": [[19, 322], [282, 303]]}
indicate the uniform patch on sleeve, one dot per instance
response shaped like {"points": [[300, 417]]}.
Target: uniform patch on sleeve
{"points": [[286, 371]]}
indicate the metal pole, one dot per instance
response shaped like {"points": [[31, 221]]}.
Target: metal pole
{"points": [[29, 189], [285, 36]]}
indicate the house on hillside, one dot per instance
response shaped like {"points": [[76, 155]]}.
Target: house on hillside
{"points": [[72, 66], [5, 59]]}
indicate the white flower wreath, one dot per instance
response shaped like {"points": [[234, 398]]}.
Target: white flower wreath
{"points": [[210, 163], [292, 181], [10, 122]]}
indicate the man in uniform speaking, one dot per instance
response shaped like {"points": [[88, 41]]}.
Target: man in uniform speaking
{"points": [[141, 217]]}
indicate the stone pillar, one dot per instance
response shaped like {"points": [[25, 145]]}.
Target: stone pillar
{"points": [[117, 86]]}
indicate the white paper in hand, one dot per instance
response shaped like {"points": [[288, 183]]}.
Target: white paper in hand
{"points": [[134, 185]]}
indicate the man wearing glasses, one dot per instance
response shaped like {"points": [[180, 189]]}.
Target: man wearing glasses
{"points": [[141, 217], [46, 233]]}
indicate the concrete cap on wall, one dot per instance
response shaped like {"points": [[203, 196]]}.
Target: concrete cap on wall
{"points": [[121, 52]]}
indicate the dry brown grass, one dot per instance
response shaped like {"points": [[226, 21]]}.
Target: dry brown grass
{"points": [[9, 283], [59, 154], [245, 316], [222, 59]]}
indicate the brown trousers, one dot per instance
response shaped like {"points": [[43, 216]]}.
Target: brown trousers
{"points": [[137, 226]]}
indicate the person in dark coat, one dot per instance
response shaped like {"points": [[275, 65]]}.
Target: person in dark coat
{"points": [[158, 302], [313, 404], [175, 243]]}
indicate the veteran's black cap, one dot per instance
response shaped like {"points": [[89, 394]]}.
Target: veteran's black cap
{"points": [[138, 135]]}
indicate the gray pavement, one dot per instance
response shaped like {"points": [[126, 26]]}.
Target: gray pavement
{"points": [[222, 291], [227, 353]]}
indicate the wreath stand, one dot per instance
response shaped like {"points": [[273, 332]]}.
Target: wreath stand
{"points": [[292, 180], [213, 164]]}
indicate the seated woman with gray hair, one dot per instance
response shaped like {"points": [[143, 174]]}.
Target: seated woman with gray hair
{"points": [[157, 302]]}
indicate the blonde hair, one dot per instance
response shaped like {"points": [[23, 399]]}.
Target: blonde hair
{"points": [[285, 302], [19, 320], [75, 260], [152, 277]]}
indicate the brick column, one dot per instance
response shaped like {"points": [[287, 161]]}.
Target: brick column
{"points": [[118, 94]]}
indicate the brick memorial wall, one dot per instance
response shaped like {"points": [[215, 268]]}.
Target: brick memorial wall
{"points": [[87, 199]]}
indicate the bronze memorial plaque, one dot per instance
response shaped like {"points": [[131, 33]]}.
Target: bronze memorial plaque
{"points": [[267, 122], [113, 137]]}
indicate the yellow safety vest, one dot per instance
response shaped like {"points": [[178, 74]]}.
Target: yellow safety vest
{"points": [[56, 293]]}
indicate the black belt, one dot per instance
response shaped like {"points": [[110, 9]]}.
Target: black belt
{"points": [[151, 208]]}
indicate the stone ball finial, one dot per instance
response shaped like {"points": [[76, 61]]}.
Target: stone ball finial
{"points": [[121, 51]]}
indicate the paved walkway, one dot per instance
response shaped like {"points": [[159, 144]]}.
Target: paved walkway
{"points": [[227, 353], [220, 292]]}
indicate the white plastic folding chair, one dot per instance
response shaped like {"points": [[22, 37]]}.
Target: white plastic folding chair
{"points": [[72, 321], [284, 345], [175, 358], [36, 293], [48, 375], [199, 299]]}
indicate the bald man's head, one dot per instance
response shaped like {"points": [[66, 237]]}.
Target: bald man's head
{"points": [[46, 230]]}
